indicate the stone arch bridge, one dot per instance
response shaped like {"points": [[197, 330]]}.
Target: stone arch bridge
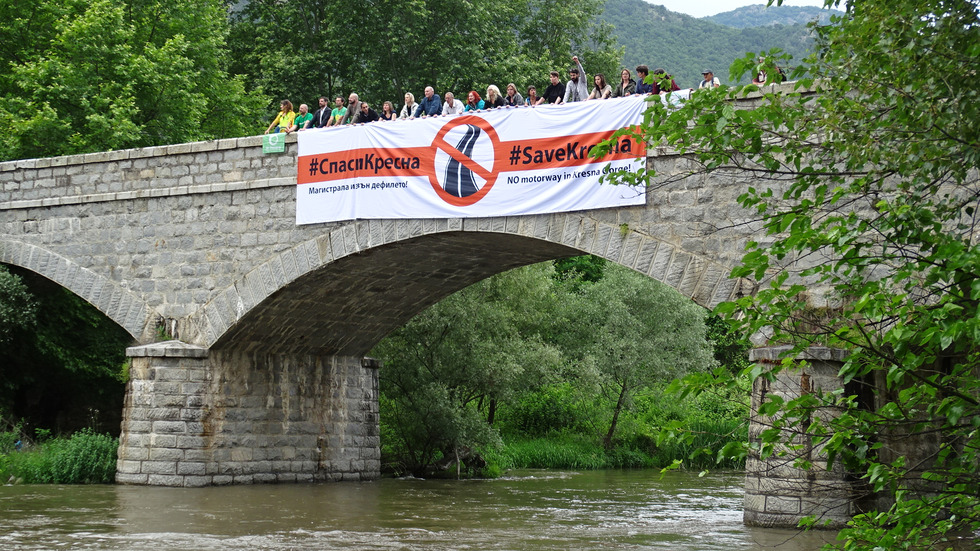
{"points": [[261, 375]]}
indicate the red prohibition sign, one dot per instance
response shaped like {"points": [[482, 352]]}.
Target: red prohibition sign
{"points": [[490, 176]]}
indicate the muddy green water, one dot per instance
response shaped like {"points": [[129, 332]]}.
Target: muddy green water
{"points": [[531, 510]]}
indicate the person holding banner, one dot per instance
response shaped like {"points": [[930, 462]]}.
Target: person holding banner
{"points": [[576, 89], [532, 98], [353, 109], [302, 119], [366, 114], [430, 104], [494, 99], [409, 107], [601, 90], [284, 119], [513, 97], [555, 92], [452, 107], [627, 86], [338, 113], [388, 111], [473, 101]]}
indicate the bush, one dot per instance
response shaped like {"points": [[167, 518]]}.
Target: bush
{"points": [[84, 458]]}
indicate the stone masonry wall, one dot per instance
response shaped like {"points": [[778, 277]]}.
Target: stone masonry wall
{"points": [[777, 493], [194, 418]]}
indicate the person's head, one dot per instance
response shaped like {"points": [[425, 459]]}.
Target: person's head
{"points": [[303, 109], [450, 97], [642, 71], [323, 102], [338, 101], [659, 71], [625, 75], [532, 91], [600, 80], [573, 74], [511, 89], [707, 74], [493, 92], [352, 100], [365, 107], [473, 97], [409, 98], [387, 107], [429, 92], [286, 105], [554, 77]]}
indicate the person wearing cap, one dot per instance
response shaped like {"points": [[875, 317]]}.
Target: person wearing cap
{"points": [[710, 80], [576, 89]]}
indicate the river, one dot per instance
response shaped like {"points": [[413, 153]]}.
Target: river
{"points": [[530, 510]]}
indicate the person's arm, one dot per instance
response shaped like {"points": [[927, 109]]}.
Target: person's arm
{"points": [[274, 121]]}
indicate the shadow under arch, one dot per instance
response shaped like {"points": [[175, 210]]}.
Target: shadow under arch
{"points": [[118, 304], [348, 299]]}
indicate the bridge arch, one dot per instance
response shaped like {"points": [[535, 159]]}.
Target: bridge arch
{"points": [[343, 291], [118, 304]]}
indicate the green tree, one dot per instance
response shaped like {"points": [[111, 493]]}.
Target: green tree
{"points": [[875, 176], [634, 332], [93, 76], [65, 371], [17, 306], [446, 372], [300, 50]]}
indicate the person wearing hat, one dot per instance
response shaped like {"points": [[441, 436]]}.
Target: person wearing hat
{"points": [[576, 89], [710, 80]]}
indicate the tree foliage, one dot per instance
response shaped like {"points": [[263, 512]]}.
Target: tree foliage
{"points": [[80, 76], [546, 353], [65, 370], [868, 194], [295, 49]]}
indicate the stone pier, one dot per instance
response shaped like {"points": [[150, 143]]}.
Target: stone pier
{"points": [[199, 417], [777, 493]]}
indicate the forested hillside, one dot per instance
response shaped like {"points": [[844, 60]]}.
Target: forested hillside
{"points": [[685, 45], [761, 15]]}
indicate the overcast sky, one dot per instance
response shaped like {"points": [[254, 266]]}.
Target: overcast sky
{"points": [[702, 8]]}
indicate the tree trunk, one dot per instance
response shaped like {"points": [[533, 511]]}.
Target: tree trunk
{"points": [[607, 441]]}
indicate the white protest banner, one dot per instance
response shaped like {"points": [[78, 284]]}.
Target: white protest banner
{"points": [[500, 162]]}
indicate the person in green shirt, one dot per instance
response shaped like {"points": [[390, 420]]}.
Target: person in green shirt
{"points": [[338, 113], [300, 122]]}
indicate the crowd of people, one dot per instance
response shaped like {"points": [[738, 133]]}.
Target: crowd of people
{"points": [[575, 89]]}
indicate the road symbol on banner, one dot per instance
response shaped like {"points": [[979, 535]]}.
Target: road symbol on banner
{"points": [[465, 151]]}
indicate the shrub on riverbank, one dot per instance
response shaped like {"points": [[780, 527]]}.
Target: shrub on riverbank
{"points": [[83, 458]]}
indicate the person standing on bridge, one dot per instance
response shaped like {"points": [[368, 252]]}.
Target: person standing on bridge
{"points": [[284, 119], [642, 86], [338, 112], [302, 119], [353, 109], [452, 107], [627, 86], [555, 92], [321, 117], [430, 104], [710, 80], [576, 89]]}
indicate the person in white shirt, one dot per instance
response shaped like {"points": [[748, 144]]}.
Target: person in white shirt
{"points": [[452, 107], [710, 80]]}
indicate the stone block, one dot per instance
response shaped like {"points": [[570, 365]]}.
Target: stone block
{"points": [[165, 480], [159, 467], [191, 468]]}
